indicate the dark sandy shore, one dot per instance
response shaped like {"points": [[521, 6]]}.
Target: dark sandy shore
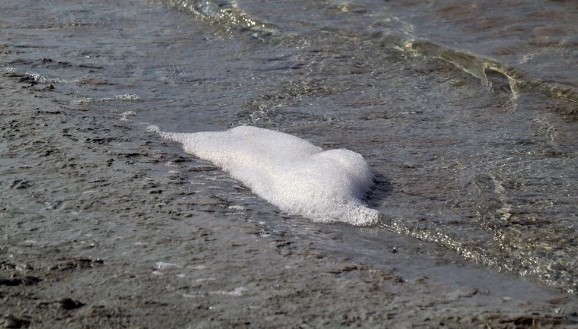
{"points": [[97, 233]]}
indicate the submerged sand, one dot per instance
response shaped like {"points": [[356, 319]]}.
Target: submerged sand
{"points": [[97, 232]]}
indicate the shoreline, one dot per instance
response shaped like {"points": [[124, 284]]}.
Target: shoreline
{"points": [[98, 233]]}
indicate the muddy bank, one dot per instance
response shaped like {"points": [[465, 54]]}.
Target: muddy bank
{"points": [[101, 228]]}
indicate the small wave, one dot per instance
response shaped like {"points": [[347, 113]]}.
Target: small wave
{"points": [[492, 73], [227, 15]]}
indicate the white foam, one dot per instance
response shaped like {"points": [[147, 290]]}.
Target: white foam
{"points": [[127, 114], [161, 266], [289, 172]]}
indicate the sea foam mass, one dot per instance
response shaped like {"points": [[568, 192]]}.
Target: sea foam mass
{"points": [[289, 172]]}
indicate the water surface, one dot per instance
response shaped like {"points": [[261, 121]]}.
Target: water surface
{"points": [[465, 112]]}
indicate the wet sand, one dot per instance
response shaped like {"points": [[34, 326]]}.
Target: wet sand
{"points": [[98, 233]]}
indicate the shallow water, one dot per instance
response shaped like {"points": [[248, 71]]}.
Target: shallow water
{"points": [[468, 124]]}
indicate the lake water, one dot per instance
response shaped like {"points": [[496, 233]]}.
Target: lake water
{"points": [[465, 111]]}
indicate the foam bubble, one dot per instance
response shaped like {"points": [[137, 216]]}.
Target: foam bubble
{"points": [[127, 114], [289, 172]]}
